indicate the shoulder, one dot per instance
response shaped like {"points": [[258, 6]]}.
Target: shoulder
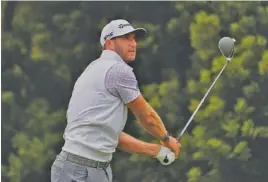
{"points": [[121, 70], [122, 66]]}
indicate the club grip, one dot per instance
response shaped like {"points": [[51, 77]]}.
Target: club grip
{"points": [[166, 159], [179, 138]]}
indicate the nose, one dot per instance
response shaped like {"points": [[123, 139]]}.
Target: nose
{"points": [[134, 43]]}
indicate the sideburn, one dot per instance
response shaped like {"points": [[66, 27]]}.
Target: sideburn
{"points": [[119, 50]]}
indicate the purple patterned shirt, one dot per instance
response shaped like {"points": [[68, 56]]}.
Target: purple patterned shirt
{"points": [[121, 82]]}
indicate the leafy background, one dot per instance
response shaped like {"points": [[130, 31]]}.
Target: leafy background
{"points": [[46, 46]]}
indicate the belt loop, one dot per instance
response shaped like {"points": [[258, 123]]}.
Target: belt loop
{"points": [[64, 155], [98, 165]]}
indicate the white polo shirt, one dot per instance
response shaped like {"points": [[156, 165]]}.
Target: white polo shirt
{"points": [[97, 111]]}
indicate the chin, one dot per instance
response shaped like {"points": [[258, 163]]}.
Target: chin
{"points": [[131, 59]]}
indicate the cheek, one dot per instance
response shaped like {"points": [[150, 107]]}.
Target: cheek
{"points": [[125, 50]]}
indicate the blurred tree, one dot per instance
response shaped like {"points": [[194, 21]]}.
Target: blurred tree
{"points": [[46, 46]]}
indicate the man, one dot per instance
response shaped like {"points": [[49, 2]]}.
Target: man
{"points": [[97, 113]]}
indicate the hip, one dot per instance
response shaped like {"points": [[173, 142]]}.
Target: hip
{"points": [[69, 168]]}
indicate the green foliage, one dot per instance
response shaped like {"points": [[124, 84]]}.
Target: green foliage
{"points": [[50, 43]]}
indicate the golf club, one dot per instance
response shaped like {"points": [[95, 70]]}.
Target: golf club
{"points": [[226, 46]]}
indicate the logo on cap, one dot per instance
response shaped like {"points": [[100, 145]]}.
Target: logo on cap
{"points": [[108, 35], [123, 25]]}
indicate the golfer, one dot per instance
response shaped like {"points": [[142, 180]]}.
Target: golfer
{"points": [[98, 109]]}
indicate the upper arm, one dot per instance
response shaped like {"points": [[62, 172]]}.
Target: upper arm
{"points": [[121, 82]]}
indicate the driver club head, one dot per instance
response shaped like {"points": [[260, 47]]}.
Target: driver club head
{"points": [[226, 46]]}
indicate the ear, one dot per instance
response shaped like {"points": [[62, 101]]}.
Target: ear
{"points": [[109, 44]]}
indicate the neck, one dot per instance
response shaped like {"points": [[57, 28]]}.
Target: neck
{"points": [[110, 49], [111, 54]]}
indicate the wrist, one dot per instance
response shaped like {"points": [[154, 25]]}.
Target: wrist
{"points": [[165, 139], [152, 149]]}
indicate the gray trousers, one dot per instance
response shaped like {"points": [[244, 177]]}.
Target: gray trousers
{"points": [[66, 171]]}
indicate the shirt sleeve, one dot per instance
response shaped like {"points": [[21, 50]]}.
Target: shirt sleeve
{"points": [[121, 82]]}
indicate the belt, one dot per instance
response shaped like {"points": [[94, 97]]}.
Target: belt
{"points": [[86, 162]]}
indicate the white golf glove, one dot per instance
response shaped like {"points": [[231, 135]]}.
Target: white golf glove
{"points": [[165, 156]]}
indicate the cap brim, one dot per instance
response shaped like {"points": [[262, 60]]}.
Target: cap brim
{"points": [[140, 33]]}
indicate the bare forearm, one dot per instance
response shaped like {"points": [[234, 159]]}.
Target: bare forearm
{"points": [[130, 144], [152, 122], [147, 116]]}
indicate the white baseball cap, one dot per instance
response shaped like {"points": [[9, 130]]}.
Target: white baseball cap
{"points": [[118, 28]]}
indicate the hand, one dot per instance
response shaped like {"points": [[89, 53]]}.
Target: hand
{"points": [[174, 145], [165, 156]]}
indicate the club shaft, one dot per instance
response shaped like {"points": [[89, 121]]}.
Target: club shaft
{"points": [[201, 102]]}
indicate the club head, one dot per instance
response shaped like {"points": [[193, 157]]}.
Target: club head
{"points": [[226, 46]]}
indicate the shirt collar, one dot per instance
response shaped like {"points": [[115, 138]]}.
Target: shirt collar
{"points": [[109, 54]]}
